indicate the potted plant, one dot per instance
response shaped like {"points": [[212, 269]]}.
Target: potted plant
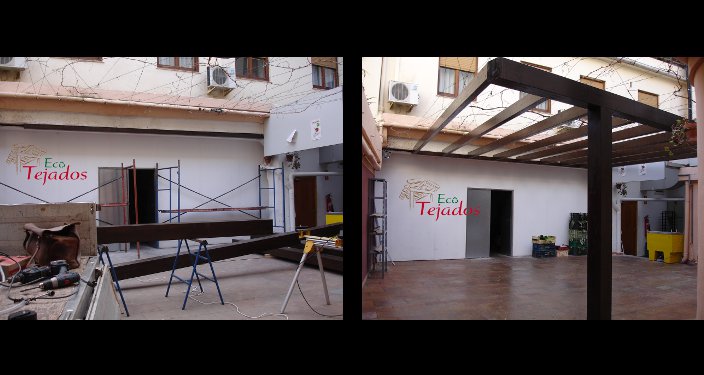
{"points": [[684, 132], [621, 189], [293, 160]]}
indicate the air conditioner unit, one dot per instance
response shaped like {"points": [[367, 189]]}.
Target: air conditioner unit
{"points": [[221, 77], [13, 63], [404, 93]]}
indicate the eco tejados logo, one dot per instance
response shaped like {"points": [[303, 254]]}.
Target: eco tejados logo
{"points": [[425, 195], [32, 162]]}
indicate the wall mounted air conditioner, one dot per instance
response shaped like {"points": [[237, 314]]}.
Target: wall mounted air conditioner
{"points": [[221, 77], [404, 93], [13, 63]]}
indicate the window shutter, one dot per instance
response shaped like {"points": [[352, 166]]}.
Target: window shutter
{"points": [[648, 98], [328, 62], [468, 64], [593, 82]]}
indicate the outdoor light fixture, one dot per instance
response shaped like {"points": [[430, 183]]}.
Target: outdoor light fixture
{"points": [[386, 154]]}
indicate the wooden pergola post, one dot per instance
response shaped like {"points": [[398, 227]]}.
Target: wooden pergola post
{"points": [[599, 213]]}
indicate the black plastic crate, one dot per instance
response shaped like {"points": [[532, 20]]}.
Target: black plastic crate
{"points": [[544, 253]]}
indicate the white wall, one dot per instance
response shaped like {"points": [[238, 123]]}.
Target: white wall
{"points": [[543, 198], [210, 166], [290, 78], [324, 106]]}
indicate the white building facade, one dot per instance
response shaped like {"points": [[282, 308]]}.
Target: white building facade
{"points": [[542, 197], [68, 124]]}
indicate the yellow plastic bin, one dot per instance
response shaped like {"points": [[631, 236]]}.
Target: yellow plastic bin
{"points": [[333, 217], [671, 244]]}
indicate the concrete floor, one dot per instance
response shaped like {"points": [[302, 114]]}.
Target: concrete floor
{"points": [[256, 284], [527, 288]]}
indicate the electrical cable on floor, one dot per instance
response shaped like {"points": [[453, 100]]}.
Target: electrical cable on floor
{"points": [[311, 307], [236, 307]]}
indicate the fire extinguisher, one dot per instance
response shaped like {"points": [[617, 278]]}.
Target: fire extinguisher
{"points": [[328, 203], [647, 225]]}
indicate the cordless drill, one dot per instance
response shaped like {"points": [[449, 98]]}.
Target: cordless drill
{"points": [[62, 277]]}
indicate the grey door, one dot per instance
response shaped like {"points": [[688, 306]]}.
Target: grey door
{"points": [[478, 226], [111, 194]]}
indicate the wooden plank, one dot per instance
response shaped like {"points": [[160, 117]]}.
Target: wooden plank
{"points": [[177, 231], [480, 82], [517, 76], [552, 140], [164, 263], [599, 214], [635, 131], [514, 110], [538, 127]]}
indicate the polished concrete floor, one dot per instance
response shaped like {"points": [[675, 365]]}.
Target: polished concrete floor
{"points": [[527, 288], [256, 284]]}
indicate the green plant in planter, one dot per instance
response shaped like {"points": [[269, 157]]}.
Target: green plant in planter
{"points": [[621, 189], [680, 131]]}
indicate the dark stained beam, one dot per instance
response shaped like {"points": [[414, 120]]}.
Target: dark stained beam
{"points": [[475, 87], [538, 127], [599, 214], [552, 140], [635, 131], [178, 231], [153, 265], [517, 76], [514, 110], [628, 146], [463, 156]]}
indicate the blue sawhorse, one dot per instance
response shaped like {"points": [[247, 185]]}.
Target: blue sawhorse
{"points": [[203, 244], [104, 249]]}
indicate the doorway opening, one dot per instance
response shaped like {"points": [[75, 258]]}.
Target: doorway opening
{"points": [[495, 218], [146, 200], [305, 201], [629, 229]]}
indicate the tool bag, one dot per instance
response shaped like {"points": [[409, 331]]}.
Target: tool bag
{"points": [[46, 245]]}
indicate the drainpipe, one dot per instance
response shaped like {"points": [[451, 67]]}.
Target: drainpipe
{"points": [[689, 93], [382, 84], [292, 216]]}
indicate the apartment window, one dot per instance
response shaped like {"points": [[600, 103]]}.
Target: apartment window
{"points": [[252, 68], [324, 72], [454, 74], [544, 106], [181, 63], [648, 98], [593, 82]]}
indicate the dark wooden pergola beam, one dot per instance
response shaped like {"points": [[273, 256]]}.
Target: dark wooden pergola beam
{"points": [[685, 154], [179, 231], [628, 146], [635, 131], [537, 128], [475, 87], [514, 110], [158, 264], [486, 158], [654, 152], [517, 76], [555, 139]]}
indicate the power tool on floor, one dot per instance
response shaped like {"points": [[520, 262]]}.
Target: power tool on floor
{"points": [[62, 277]]}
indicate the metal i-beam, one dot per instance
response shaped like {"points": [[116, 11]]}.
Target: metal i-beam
{"points": [[164, 263], [514, 110], [599, 214], [517, 76], [178, 231], [538, 127], [475, 87]]}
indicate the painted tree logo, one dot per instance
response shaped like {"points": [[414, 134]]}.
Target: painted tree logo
{"points": [[417, 189], [21, 155]]}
